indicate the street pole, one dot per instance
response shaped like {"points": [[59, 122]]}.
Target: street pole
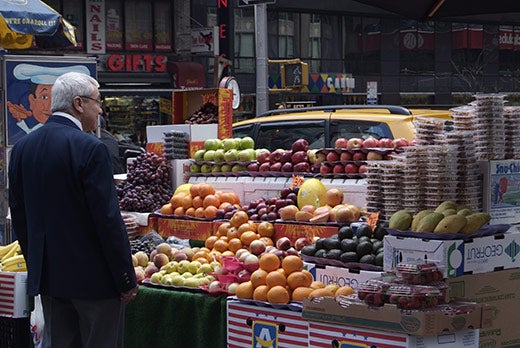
{"points": [[262, 88]]}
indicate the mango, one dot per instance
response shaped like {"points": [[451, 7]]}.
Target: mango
{"points": [[401, 220], [448, 212], [474, 222], [445, 205], [417, 218], [465, 211], [429, 222], [451, 224]]}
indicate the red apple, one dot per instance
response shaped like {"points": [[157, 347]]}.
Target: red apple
{"points": [[300, 145], [345, 156], [286, 156], [332, 156], [263, 156], [299, 156], [371, 142], [283, 243], [362, 169], [257, 247], [325, 168], [351, 168], [354, 143], [287, 167], [253, 167], [386, 142], [301, 242], [400, 142], [275, 156], [374, 156], [341, 143], [338, 168], [302, 167], [276, 167], [359, 156], [264, 167]]}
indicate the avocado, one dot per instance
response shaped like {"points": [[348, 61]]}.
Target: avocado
{"points": [[319, 243], [349, 256], [379, 259], [364, 230], [364, 248], [368, 258], [331, 243], [363, 239], [348, 245], [377, 245], [309, 250], [320, 253], [334, 254], [345, 232], [380, 231]]}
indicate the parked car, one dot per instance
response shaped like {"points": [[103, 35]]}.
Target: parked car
{"points": [[321, 126]]}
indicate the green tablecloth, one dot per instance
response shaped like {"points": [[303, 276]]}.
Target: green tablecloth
{"points": [[170, 318]]}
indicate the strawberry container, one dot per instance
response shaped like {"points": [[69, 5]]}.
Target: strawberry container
{"points": [[407, 296], [374, 292], [420, 274]]}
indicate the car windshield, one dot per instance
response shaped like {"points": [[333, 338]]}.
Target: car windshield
{"points": [[359, 129]]}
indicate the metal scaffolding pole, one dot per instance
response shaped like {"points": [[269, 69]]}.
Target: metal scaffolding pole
{"points": [[262, 88]]}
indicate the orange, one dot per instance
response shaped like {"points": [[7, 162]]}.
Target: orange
{"points": [[300, 293], [227, 197], [232, 233], [167, 209], [321, 292], [210, 242], [224, 238], [187, 202], [316, 284], [333, 197], [201, 260], [196, 201], [332, 288], [176, 199], [292, 263], [223, 205], [221, 245], [206, 189], [223, 227], [265, 229], [178, 211], [201, 254], [210, 212], [234, 244], [194, 189], [260, 293], [267, 241], [228, 253], [248, 236], [278, 294], [245, 290], [210, 200], [239, 217], [269, 262], [190, 211], [308, 274], [297, 279], [275, 278], [246, 226], [258, 277], [344, 291], [199, 212]]}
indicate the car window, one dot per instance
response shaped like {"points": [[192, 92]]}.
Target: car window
{"points": [[358, 129], [281, 135], [244, 131]]}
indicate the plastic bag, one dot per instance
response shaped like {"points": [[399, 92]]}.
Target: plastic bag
{"points": [[37, 323]]}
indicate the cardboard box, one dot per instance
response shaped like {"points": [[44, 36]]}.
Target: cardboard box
{"points": [[455, 257], [498, 290], [255, 326], [354, 313], [186, 102], [196, 134], [14, 301], [184, 228], [340, 275], [180, 172], [325, 335]]}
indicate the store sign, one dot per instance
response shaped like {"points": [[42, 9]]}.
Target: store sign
{"points": [[95, 14], [203, 40], [137, 63], [508, 39]]}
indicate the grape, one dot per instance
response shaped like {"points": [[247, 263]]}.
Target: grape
{"points": [[147, 174]]}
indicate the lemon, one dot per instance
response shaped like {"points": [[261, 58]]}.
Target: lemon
{"points": [[312, 192], [184, 188]]}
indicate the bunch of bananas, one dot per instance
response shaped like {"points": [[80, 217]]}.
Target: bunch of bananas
{"points": [[11, 258]]}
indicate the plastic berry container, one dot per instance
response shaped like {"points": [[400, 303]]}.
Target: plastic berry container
{"points": [[420, 274], [407, 296], [374, 292]]}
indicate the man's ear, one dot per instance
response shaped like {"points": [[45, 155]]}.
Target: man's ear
{"points": [[77, 104]]}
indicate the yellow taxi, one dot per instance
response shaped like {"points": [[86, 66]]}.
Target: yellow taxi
{"points": [[322, 125]]}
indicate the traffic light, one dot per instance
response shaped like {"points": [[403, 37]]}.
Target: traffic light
{"points": [[294, 75]]}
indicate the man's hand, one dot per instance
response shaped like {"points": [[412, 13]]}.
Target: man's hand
{"points": [[128, 296], [18, 111]]}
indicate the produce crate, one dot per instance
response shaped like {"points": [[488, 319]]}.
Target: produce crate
{"points": [[15, 332]]}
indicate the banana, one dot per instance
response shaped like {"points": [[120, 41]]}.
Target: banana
{"points": [[12, 251], [14, 264], [5, 249]]}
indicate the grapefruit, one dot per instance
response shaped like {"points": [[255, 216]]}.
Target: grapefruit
{"points": [[184, 188], [312, 192]]}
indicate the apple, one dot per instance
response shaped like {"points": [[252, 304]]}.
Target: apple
{"points": [[386, 142], [338, 168], [199, 155], [264, 167], [182, 267], [231, 155], [354, 143], [193, 266], [374, 156], [263, 156], [332, 156], [286, 156], [229, 143], [216, 168], [311, 154], [209, 155], [179, 255], [219, 155], [225, 168], [345, 156], [283, 243], [253, 167], [351, 168], [246, 143], [371, 142], [276, 167], [320, 157], [341, 143], [299, 156], [238, 168], [245, 155], [302, 167], [359, 156], [325, 168], [315, 168], [212, 144], [205, 168], [300, 145], [150, 269], [287, 167], [257, 247], [301, 242], [400, 142], [194, 168], [389, 155], [276, 155], [362, 169]]}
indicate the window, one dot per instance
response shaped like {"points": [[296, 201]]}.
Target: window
{"points": [[362, 45], [244, 41], [416, 44], [358, 129]]}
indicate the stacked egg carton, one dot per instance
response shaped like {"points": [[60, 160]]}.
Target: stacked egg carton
{"points": [[374, 195], [463, 118], [489, 135], [512, 131], [175, 145], [427, 128], [391, 186]]}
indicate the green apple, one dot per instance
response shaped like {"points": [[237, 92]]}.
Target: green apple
{"points": [[195, 168], [229, 143], [231, 155], [238, 168], [199, 155], [225, 168], [203, 281], [219, 155], [212, 144], [205, 168], [246, 155], [216, 168], [193, 266], [171, 266], [205, 268], [209, 155], [156, 278], [247, 143], [167, 279]]}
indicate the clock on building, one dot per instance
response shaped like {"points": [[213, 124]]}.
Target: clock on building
{"points": [[231, 83]]}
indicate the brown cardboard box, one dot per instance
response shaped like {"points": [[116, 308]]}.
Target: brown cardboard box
{"points": [[500, 291]]}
